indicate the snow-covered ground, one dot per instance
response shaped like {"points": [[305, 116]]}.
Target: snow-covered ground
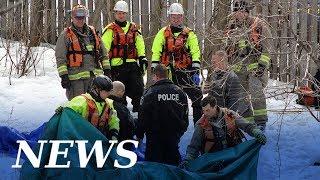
{"points": [[290, 152]]}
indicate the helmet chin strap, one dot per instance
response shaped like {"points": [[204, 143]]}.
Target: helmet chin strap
{"points": [[95, 93]]}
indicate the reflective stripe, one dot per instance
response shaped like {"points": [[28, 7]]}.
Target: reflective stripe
{"points": [[118, 61], [85, 74], [250, 119], [260, 112], [264, 60], [89, 47], [62, 69], [237, 67], [97, 72], [252, 66], [106, 63], [242, 44]]}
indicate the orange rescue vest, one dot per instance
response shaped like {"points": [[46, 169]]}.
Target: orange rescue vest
{"points": [[234, 135], [123, 44], [75, 53], [175, 50], [255, 34], [99, 121]]}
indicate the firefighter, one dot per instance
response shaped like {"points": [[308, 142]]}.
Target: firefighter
{"points": [[126, 48], [248, 44], [219, 128], [163, 118], [97, 108], [176, 46], [127, 122], [79, 54]]}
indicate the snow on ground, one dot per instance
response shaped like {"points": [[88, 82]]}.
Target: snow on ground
{"points": [[293, 138], [29, 101]]}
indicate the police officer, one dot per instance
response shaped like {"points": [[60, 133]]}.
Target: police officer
{"points": [[80, 55], [126, 48], [163, 117], [176, 46]]}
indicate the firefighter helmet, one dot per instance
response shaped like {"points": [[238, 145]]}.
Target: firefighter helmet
{"points": [[79, 11]]}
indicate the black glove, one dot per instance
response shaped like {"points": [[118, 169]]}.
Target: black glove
{"points": [[259, 71], [65, 82], [143, 63], [59, 110], [113, 134], [260, 137], [183, 164], [107, 72]]}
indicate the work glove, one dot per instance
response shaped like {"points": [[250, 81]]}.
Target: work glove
{"points": [[107, 72], [260, 137], [143, 63], [195, 71], [184, 164], [65, 82], [259, 71]]}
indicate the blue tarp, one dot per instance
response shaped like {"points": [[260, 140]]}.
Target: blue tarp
{"points": [[9, 137]]}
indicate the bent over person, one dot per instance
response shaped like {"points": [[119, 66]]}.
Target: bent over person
{"points": [[97, 108]]}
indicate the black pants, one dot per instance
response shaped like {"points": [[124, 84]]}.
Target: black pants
{"points": [[130, 75], [162, 148], [184, 80]]}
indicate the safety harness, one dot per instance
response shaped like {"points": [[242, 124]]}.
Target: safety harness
{"points": [[99, 121], [76, 52], [212, 141], [123, 44], [252, 48], [175, 51]]}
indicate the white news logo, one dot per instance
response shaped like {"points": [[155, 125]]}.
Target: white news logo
{"points": [[83, 157]]}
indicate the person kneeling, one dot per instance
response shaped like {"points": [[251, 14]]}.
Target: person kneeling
{"points": [[217, 129], [97, 108]]}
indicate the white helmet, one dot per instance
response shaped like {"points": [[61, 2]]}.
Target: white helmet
{"points": [[176, 8], [121, 6]]}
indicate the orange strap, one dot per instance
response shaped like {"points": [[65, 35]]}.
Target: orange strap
{"points": [[175, 48], [123, 45], [75, 53], [93, 114]]}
